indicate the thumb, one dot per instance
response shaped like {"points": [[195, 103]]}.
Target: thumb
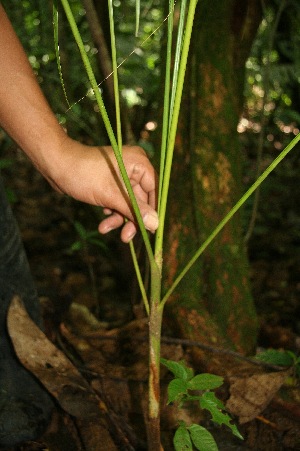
{"points": [[149, 216]]}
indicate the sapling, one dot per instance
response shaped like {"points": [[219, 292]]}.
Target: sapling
{"points": [[187, 387], [155, 301]]}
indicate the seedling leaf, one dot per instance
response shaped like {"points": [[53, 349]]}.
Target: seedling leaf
{"points": [[77, 246], [80, 230], [202, 438], [182, 440], [178, 369], [210, 402], [276, 357], [205, 381], [97, 242], [176, 388]]}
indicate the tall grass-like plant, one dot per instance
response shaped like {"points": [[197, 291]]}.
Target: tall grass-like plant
{"points": [[156, 300]]}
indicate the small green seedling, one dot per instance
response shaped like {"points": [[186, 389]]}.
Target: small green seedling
{"points": [[187, 387], [86, 238]]}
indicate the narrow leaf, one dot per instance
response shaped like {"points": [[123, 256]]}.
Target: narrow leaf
{"points": [[77, 246], [114, 144], [202, 438], [98, 242], [80, 230], [56, 45], [137, 16], [230, 214], [205, 381], [182, 440], [166, 109]]}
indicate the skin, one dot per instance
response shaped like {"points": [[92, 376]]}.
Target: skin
{"points": [[87, 173]]}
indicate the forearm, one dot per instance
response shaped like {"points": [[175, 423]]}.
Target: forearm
{"points": [[24, 111]]}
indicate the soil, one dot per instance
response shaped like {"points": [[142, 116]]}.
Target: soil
{"points": [[94, 316]]}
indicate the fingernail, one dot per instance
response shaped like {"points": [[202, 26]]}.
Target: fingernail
{"points": [[151, 221], [130, 237], [105, 229]]}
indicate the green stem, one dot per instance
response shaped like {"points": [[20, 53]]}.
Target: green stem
{"points": [[173, 127], [229, 215], [57, 54], [115, 72], [137, 16], [166, 109], [119, 135], [178, 53], [117, 151], [139, 278]]}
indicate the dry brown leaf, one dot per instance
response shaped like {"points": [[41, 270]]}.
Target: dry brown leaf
{"points": [[250, 395], [54, 370]]}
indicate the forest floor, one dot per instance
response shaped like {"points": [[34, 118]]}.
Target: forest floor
{"points": [[97, 321]]}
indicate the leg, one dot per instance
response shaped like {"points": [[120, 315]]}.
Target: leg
{"points": [[25, 407]]}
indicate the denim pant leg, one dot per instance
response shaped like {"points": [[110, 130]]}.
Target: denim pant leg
{"points": [[15, 276]]}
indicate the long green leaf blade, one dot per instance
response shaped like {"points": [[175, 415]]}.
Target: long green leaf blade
{"points": [[114, 144], [57, 54], [173, 126], [229, 215], [166, 109], [137, 16]]}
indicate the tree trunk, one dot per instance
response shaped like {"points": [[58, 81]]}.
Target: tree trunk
{"points": [[213, 303]]}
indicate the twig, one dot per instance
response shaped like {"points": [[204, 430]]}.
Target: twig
{"points": [[191, 343]]}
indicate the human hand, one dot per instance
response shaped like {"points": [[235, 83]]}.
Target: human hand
{"points": [[91, 175]]}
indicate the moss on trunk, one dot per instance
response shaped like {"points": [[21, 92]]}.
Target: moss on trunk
{"points": [[214, 303]]}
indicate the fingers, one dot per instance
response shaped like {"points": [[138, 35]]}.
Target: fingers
{"points": [[114, 221], [143, 179], [128, 232]]}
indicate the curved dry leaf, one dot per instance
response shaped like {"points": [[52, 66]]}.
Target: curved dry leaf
{"points": [[250, 395], [53, 369]]}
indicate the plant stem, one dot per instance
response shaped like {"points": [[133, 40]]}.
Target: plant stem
{"points": [[165, 124], [119, 138], [115, 72], [168, 141], [155, 322], [113, 141], [173, 127]]}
